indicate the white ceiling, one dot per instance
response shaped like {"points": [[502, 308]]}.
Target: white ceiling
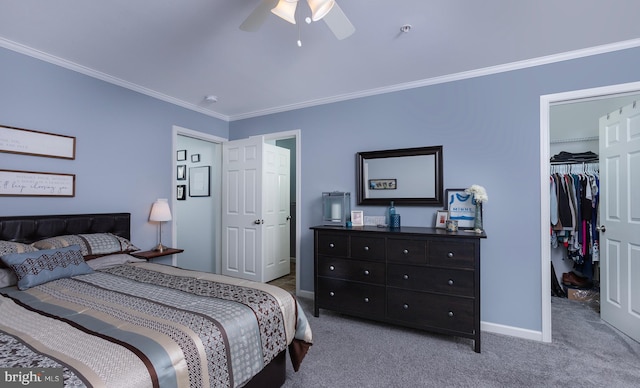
{"points": [[182, 50]]}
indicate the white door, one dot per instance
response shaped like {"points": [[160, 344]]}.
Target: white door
{"points": [[620, 216], [276, 212], [250, 211]]}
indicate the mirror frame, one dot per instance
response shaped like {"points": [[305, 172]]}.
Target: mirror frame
{"points": [[436, 151]]}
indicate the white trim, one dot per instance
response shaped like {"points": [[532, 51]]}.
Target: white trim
{"points": [[545, 241], [14, 46], [510, 331], [450, 77], [22, 49]]}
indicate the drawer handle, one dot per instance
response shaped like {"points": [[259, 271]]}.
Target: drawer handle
{"points": [[366, 300], [331, 267], [331, 293], [406, 251], [331, 245], [366, 248], [450, 314], [366, 272], [450, 282], [405, 306], [405, 277], [450, 254]]}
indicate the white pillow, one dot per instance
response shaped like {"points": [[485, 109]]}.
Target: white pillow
{"points": [[112, 260], [7, 277]]}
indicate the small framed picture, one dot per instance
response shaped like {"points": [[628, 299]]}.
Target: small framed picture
{"points": [[195, 158], [357, 218], [182, 172], [441, 219], [181, 193], [182, 155]]}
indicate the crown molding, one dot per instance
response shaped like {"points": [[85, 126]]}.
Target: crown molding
{"points": [[322, 101], [22, 49], [450, 77]]}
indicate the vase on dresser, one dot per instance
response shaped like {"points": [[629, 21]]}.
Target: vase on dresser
{"points": [[477, 221]]}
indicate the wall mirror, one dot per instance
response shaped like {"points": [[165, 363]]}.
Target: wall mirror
{"points": [[408, 176]]}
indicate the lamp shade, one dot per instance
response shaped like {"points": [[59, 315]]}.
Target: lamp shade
{"points": [[286, 9], [320, 8], [160, 211]]}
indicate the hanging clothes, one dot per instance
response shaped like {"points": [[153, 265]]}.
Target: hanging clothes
{"points": [[574, 192]]}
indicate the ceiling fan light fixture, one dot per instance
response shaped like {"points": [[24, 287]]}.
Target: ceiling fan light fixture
{"points": [[286, 9], [320, 8]]}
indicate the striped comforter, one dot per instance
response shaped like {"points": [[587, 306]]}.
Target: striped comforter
{"points": [[150, 325]]}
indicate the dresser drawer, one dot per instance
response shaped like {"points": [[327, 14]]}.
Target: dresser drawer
{"points": [[368, 248], [407, 251], [356, 270], [451, 253], [445, 281], [333, 244], [351, 297], [429, 310]]}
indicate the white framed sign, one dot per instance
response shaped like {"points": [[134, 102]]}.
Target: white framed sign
{"points": [[37, 184], [461, 207], [36, 143]]}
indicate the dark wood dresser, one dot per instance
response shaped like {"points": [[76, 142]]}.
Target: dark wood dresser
{"points": [[424, 278]]}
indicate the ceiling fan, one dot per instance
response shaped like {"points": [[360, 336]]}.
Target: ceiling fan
{"points": [[327, 10]]}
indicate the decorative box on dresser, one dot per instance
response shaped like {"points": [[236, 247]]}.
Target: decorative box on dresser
{"points": [[424, 278]]}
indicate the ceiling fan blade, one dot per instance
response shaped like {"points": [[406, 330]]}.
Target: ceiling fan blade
{"points": [[339, 23], [254, 21]]}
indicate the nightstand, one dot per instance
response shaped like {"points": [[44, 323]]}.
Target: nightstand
{"points": [[154, 254]]}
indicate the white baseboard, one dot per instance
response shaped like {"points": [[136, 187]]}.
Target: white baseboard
{"points": [[511, 331], [305, 294]]}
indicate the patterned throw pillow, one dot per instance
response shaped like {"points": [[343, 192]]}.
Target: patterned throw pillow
{"points": [[7, 247], [38, 267], [92, 245]]}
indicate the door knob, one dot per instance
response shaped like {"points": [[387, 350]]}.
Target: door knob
{"points": [[601, 228], [258, 222], [288, 218]]}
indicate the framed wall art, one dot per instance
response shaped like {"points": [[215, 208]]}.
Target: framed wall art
{"points": [[195, 158], [181, 192], [181, 174], [182, 155], [199, 181], [37, 184], [461, 207], [36, 143]]}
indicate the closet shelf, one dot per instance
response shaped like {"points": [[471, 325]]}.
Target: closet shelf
{"points": [[590, 138]]}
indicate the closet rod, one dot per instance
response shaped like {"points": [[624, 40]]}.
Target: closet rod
{"points": [[574, 163], [590, 138]]}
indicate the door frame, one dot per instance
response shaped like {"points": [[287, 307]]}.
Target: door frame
{"points": [[545, 201], [295, 133], [180, 131]]}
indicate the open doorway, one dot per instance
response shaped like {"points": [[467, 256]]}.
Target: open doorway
{"points": [[608, 99], [287, 139], [196, 215]]}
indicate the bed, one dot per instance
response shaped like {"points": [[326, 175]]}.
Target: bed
{"points": [[81, 306]]}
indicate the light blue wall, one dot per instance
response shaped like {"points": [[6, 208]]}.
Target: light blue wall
{"points": [[123, 141], [490, 129]]}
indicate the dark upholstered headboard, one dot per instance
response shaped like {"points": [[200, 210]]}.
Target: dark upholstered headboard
{"points": [[28, 229]]}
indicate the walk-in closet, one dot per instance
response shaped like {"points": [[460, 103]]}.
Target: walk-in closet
{"points": [[574, 187]]}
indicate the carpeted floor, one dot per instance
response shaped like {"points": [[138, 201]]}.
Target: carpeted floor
{"points": [[350, 352]]}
